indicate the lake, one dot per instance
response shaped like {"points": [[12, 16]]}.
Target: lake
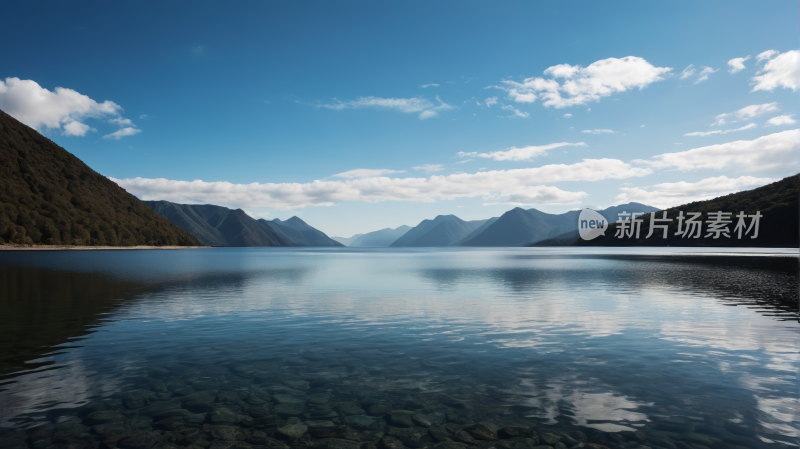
{"points": [[364, 348]]}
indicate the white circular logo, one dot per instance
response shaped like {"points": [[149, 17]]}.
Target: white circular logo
{"points": [[591, 224]]}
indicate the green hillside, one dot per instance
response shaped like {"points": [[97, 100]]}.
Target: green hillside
{"points": [[48, 196]]}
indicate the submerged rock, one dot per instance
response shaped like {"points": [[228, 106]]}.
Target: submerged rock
{"points": [[290, 409], [349, 408], [298, 384], [401, 418], [421, 420], [515, 432], [481, 432], [141, 440], [104, 416], [291, 432], [361, 422], [550, 438]]}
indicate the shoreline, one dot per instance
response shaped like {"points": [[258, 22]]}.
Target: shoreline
{"points": [[13, 247]]}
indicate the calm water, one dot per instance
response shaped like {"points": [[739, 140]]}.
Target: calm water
{"points": [[668, 342]]}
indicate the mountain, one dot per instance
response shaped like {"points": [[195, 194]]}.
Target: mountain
{"points": [[298, 233], [778, 226], [221, 226], [443, 230], [519, 227], [217, 225], [382, 238], [48, 196], [474, 233], [346, 241]]}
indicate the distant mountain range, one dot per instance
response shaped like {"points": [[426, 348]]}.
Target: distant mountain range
{"points": [[443, 230], [221, 226], [50, 197], [516, 227], [519, 227], [384, 237], [778, 225]]}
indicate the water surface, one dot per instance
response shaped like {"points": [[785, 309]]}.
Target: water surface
{"points": [[599, 340]]}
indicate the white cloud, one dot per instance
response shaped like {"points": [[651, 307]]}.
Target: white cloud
{"points": [[525, 153], [737, 64], [567, 115], [429, 168], [366, 173], [544, 194], [429, 85], [121, 121], [428, 114], [38, 107], [583, 85], [144, 116], [425, 107], [773, 152], [703, 75], [515, 113], [465, 154], [718, 131], [77, 129], [687, 72], [287, 196], [781, 120], [672, 194], [781, 71], [491, 101], [119, 134], [766, 55], [747, 113], [754, 110], [599, 131]]}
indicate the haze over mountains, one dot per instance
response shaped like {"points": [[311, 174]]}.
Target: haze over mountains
{"points": [[221, 226], [384, 237], [516, 227]]}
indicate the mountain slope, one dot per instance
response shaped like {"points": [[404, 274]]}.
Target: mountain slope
{"points": [[48, 196], [221, 226], [381, 238], [476, 232], [299, 232], [778, 227], [217, 225], [444, 230], [519, 227]]}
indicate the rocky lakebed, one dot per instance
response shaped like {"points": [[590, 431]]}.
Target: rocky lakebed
{"points": [[304, 403]]}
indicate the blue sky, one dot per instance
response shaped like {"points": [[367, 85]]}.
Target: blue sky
{"points": [[430, 97]]}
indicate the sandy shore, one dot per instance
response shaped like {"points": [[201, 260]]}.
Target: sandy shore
{"points": [[87, 248]]}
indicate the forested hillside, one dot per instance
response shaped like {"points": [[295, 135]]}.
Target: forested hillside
{"points": [[48, 196]]}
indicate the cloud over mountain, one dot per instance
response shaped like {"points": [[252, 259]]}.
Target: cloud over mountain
{"points": [[526, 182], [61, 109]]}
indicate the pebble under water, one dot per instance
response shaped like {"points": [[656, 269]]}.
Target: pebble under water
{"points": [[362, 349]]}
